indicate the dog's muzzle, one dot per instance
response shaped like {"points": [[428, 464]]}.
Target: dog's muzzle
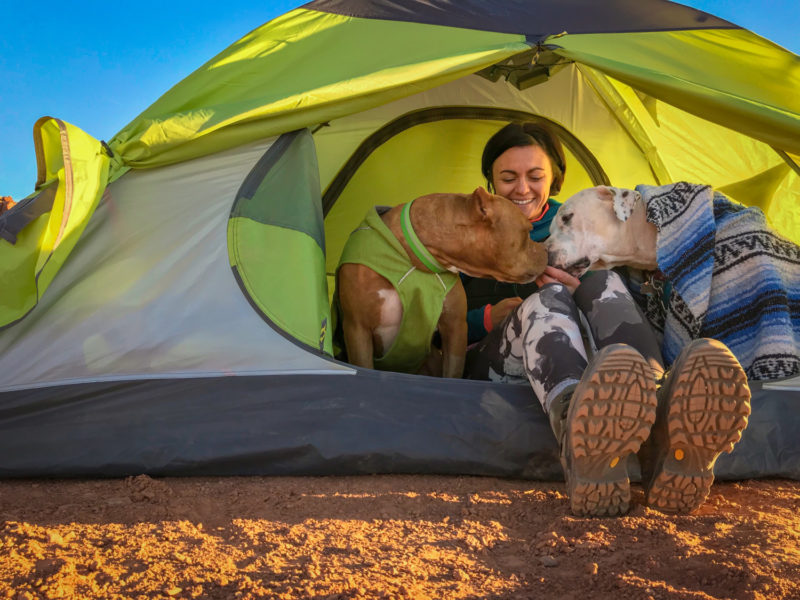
{"points": [[578, 268]]}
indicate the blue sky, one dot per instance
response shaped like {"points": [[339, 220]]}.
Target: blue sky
{"points": [[97, 65]]}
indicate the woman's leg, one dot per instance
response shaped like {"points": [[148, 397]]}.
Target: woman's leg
{"points": [[703, 404], [540, 341], [600, 413], [615, 318]]}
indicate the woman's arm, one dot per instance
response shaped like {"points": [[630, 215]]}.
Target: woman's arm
{"points": [[482, 320]]}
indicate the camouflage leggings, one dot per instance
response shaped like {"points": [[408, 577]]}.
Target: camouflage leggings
{"points": [[541, 340]]}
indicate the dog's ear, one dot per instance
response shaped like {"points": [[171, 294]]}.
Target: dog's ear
{"points": [[483, 203], [624, 201]]}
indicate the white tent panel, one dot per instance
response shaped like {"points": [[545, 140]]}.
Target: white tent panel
{"points": [[149, 291]]}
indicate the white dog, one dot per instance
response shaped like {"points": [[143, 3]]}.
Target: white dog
{"points": [[600, 228], [714, 268]]}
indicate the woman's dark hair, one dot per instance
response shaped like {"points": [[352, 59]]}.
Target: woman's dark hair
{"points": [[525, 134]]}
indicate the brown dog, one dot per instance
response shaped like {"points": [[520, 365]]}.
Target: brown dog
{"points": [[479, 234]]}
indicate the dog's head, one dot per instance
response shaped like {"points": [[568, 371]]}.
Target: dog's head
{"points": [[590, 228], [498, 243]]}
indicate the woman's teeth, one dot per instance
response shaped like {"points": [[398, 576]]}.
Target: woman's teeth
{"points": [[522, 202]]}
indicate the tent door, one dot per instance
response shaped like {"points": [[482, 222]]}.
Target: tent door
{"points": [[276, 241]]}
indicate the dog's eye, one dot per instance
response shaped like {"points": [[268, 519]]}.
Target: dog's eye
{"points": [[566, 219]]}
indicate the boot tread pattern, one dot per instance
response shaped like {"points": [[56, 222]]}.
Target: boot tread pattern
{"points": [[614, 408], [709, 406]]}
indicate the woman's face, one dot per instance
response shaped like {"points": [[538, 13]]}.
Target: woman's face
{"points": [[523, 174]]}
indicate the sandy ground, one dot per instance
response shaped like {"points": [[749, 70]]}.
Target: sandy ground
{"points": [[409, 537]]}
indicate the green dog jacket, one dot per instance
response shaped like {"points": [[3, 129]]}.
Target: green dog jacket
{"points": [[422, 293]]}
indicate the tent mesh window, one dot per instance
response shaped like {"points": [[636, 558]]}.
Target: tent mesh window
{"points": [[276, 241]]}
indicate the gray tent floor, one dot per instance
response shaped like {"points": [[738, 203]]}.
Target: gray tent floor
{"points": [[364, 423]]}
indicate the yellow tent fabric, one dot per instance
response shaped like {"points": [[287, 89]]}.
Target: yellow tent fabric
{"points": [[72, 174]]}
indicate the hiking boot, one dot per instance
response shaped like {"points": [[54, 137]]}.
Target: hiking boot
{"points": [[610, 414], [703, 407]]}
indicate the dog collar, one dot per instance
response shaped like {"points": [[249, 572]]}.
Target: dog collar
{"points": [[416, 245], [657, 285]]}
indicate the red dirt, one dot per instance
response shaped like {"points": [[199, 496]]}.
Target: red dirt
{"points": [[6, 203], [387, 537]]}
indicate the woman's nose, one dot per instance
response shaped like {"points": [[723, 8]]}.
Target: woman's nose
{"points": [[522, 186]]}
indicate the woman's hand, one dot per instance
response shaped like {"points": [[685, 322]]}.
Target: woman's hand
{"points": [[504, 308], [553, 275]]}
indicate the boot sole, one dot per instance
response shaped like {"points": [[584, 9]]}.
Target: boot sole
{"points": [[610, 416], [708, 409]]}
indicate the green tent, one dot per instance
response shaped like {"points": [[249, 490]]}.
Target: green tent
{"points": [[164, 297]]}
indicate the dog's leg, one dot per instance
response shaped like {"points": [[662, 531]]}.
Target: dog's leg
{"points": [[358, 341], [362, 296], [453, 329], [432, 367]]}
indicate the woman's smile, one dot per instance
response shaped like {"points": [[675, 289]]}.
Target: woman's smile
{"points": [[523, 174]]}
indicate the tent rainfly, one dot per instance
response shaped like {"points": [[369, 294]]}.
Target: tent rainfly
{"points": [[164, 297]]}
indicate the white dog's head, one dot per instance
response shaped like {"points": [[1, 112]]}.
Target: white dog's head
{"points": [[592, 230]]}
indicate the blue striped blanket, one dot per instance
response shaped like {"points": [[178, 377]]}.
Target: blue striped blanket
{"points": [[732, 278]]}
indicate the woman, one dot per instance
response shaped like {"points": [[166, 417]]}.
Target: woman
{"points": [[600, 411]]}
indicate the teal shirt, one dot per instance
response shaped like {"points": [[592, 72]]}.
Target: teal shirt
{"points": [[541, 228]]}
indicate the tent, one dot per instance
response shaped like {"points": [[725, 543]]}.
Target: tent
{"points": [[164, 296]]}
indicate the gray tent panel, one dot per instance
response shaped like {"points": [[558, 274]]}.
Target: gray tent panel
{"points": [[370, 422], [537, 19]]}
